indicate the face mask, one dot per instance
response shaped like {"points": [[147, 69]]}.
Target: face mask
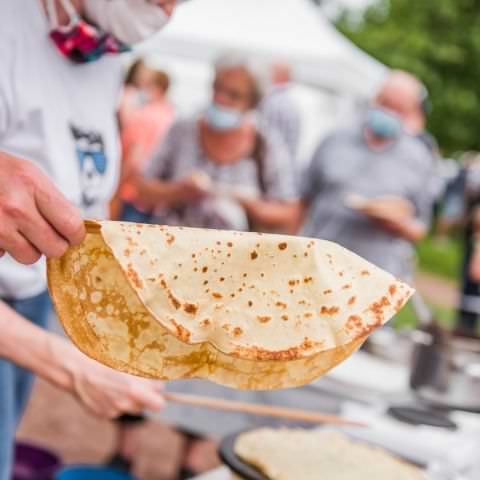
{"points": [[221, 118], [383, 124], [131, 21], [80, 41]]}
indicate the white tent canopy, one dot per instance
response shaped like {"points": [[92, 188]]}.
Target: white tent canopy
{"points": [[289, 30], [293, 31]]}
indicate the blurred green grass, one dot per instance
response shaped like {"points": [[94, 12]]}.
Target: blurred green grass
{"points": [[406, 319], [441, 256]]}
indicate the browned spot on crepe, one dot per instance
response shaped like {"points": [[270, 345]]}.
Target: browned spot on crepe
{"points": [[175, 302], [329, 310], [264, 318], [237, 332], [191, 308], [134, 276], [354, 323], [182, 333]]}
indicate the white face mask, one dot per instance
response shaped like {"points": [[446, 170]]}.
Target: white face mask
{"points": [[130, 21]]}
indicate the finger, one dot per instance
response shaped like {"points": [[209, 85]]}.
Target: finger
{"points": [[149, 399], [43, 237], [130, 406], [64, 217], [20, 248], [109, 413], [158, 386], [102, 407]]}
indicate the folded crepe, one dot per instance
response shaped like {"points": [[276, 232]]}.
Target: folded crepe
{"points": [[244, 310]]}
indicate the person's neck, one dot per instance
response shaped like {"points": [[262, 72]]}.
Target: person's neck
{"points": [[63, 17], [376, 143], [226, 147], [280, 86], [158, 99], [415, 126]]}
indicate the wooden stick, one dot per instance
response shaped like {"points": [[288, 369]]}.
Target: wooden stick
{"points": [[259, 410]]}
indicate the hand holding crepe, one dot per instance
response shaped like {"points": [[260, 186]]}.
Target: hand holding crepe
{"points": [[389, 208], [245, 310], [312, 455]]}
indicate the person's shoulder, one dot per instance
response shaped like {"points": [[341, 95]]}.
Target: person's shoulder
{"points": [[184, 127], [345, 132], [274, 141], [268, 133], [428, 139], [157, 111], [416, 152], [339, 136], [414, 145]]}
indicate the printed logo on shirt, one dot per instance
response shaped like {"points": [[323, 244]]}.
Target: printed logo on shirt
{"points": [[90, 148]]}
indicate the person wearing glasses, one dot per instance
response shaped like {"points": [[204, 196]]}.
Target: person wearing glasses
{"points": [[219, 170]]}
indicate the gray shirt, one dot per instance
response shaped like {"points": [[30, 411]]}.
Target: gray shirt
{"points": [[181, 155], [278, 111], [345, 165]]}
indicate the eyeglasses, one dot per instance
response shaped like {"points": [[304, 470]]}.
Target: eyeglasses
{"points": [[232, 93]]}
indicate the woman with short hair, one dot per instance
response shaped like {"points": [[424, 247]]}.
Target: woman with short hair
{"points": [[218, 169]]}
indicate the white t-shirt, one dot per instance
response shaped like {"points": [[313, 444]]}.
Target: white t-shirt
{"points": [[58, 115]]}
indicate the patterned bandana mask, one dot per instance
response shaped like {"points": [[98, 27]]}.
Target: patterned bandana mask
{"points": [[79, 41]]}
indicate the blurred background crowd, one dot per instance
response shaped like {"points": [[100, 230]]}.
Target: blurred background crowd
{"points": [[347, 121], [279, 129]]}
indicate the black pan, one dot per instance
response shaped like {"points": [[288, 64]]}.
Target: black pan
{"points": [[226, 452]]}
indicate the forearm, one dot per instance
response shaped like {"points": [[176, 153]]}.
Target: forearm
{"points": [[33, 348], [410, 229], [154, 193], [274, 214]]}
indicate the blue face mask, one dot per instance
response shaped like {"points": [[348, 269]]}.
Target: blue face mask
{"points": [[383, 124], [221, 118]]}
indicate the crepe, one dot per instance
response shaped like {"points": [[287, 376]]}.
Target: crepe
{"points": [[244, 310], [311, 455], [382, 208]]}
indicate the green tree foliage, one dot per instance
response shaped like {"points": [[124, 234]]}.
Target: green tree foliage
{"points": [[439, 41]]}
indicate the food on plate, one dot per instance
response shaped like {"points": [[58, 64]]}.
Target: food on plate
{"points": [[290, 454], [245, 310]]}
